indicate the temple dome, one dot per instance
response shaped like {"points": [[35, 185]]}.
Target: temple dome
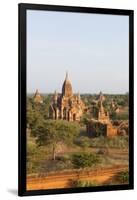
{"points": [[67, 87]]}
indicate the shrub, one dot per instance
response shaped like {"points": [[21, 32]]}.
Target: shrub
{"points": [[31, 149], [82, 160], [120, 178], [63, 158], [83, 183], [100, 141], [63, 165], [83, 141], [123, 177]]}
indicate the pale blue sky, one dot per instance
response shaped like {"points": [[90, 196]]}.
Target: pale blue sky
{"points": [[93, 48]]}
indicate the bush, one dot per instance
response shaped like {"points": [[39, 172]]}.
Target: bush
{"points": [[83, 141], [57, 165], [63, 158], [98, 142], [31, 149], [35, 157], [120, 178], [83, 183], [123, 177], [118, 142], [63, 165], [33, 167], [82, 160]]}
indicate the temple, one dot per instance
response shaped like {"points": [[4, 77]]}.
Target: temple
{"points": [[100, 123], [66, 106], [37, 97]]}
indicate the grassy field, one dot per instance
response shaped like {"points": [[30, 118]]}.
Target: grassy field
{"points": [[100, 152]]}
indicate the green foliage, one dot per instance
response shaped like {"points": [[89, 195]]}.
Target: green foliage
{"points": [[122, 116], [83, 183], [33, 117], [119, 116], [35, 157], [85, 118], [37, 111], [83, 141], [32, 167], [87, 99], [113, 115], [112, 142], [82, 160], [123, 101], [120, 178], [31, 149], [123, 177], [63, 158], [63, 164], [48, 134], [55, 131]]}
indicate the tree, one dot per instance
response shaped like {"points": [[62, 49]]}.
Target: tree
{"points": [[113, 115], [85, 118], [37, 111], [33, 116], [53, 132]]}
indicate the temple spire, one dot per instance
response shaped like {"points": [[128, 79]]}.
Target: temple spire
{"points": [[37, 91], [66, 75], [67, 87], [37, 97], [78, 95]]}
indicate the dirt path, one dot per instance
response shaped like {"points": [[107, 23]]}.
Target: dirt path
{"points": [[64, 179]]}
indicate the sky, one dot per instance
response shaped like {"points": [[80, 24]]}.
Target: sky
{"points": [[93, 48]]}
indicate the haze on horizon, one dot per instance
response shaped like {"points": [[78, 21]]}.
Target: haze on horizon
{"points": [[93, 48]]}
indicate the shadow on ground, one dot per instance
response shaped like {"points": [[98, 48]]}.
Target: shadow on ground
{"points": [[13, 191]]}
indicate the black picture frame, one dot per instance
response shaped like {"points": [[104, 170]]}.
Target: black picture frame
{"points": [[22, 8]]}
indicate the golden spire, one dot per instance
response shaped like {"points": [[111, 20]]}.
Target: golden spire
{"points": [[78, 95], [66, 76], [37, 97], [67, 87], [37, 91]]}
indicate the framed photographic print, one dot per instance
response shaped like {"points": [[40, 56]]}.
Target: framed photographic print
{"points": [[75, 99]]}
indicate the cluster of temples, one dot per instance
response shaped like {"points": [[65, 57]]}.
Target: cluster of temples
{"points": [[69, 106]]}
